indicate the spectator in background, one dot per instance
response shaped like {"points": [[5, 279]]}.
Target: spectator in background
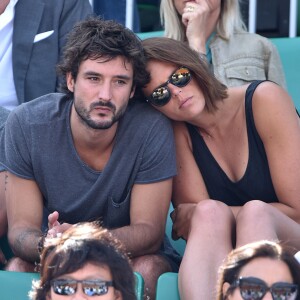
{"points": [[116, 10], [85, 261], [256, 270], [215, 29], [32, 35]]}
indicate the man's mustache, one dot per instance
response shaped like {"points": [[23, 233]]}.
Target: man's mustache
{"points": [[103, 104]]}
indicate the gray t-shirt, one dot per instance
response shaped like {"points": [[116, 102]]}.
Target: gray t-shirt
{"points": [[39, 146]]}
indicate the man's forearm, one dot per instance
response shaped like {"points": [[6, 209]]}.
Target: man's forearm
{"points": [[139, 239], [25, 242]]}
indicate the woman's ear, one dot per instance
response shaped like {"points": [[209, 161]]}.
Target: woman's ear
{"points": [[118, 295], [225, 288]]}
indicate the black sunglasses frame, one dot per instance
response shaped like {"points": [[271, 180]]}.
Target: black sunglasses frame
{"points": [[167, 99], [55, 283], [264, 287]]}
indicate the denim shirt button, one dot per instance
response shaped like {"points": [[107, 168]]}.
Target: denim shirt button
{"points": [[247, 71]]}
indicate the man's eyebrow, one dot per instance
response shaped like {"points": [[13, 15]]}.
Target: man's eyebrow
{"points": [[120, 76]]}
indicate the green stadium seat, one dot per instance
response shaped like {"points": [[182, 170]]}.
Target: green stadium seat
{"points": [[289, 51], [146, 35], [167, 287], [16, 285]]}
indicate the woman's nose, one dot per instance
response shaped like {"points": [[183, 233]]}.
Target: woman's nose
{"points": [[175, 90]]}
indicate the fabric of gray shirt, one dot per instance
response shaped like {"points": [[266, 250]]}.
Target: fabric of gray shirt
{"points": [[39, 146]]}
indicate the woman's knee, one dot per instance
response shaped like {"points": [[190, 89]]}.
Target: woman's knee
{"points": [[211, 212], [253, 213]]}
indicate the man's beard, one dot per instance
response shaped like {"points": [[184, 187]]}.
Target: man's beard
{"points": [[85, 114]]}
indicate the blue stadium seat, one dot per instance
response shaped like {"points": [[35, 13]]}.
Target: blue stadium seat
{"points": [[289, 51], [167, 287]]}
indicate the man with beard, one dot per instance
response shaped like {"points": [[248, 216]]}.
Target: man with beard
{"points": [[91, 154]]}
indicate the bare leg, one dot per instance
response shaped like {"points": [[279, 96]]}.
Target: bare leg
{"points": [[209, 241], [3, 215], [151, 267], [261, 221], [18, 265]]}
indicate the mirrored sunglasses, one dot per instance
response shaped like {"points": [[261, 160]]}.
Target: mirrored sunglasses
{"points": [[162, 95], [252, 288], [65, 287]]}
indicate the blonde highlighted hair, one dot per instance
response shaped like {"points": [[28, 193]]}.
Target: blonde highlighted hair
{"points": [[230, 20]]}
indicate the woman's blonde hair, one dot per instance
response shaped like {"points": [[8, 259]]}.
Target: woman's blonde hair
{"points": [[230, 20]]}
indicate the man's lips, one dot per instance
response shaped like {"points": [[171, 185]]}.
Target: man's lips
{"points": [[102, 108]]}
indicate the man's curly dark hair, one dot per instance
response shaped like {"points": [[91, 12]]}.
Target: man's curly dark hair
{"points": [[96, 38]]}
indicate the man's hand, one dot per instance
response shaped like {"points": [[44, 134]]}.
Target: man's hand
{"points": [[55, 229]]}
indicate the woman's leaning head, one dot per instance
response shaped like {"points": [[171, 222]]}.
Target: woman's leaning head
{"points": [[253, 270], [169, 51], [87, 258]]}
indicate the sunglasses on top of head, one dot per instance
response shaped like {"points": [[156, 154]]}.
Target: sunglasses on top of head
{"points": [[162, 94], [252, 288], [65, 287]]}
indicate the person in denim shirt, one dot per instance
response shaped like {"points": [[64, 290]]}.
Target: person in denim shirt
{"points": [[215, 29]]}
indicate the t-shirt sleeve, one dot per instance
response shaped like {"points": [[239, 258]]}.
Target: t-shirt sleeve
{"points": [[17, 158], [159, 159]]}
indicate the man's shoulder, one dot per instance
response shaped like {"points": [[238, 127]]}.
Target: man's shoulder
{"points": [[41, 109], [138, 110], [141, 121]]}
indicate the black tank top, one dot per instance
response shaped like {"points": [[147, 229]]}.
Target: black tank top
{"points": [[256, 183]]}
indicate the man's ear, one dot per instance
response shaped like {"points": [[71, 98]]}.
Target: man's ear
{"points": [[70, 82], [132, 92], [225, 288]]}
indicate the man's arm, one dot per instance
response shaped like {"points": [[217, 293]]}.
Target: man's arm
{"points": [[24, 204], [148, 213], [3, 216]]}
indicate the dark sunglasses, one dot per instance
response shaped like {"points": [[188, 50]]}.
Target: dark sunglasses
{"points": [[65, 287], [162, 95], [252, 288]]}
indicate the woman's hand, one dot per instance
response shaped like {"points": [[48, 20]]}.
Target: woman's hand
{"points": [[181, 217], [195, 18]]}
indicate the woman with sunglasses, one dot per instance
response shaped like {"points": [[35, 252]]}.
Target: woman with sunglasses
{"points": [[259, 269], [238, 161], [86, 262]]}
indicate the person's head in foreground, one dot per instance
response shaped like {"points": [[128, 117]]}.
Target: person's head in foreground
{"points": [[260, 270], [175, 70], [85, 262]]}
